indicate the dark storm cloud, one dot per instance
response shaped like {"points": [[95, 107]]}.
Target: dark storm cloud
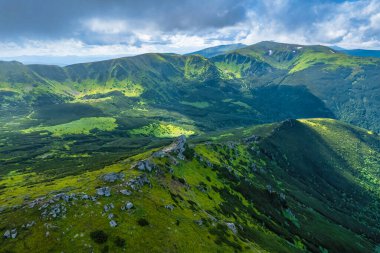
{"points": [[56, 19], [126, 27]]}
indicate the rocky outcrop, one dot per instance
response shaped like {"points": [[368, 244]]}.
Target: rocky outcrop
{"points": [[138, 182], [145, 165], [177, 148], [112, 177], [252, 138], [53, 211], [232, 227]]}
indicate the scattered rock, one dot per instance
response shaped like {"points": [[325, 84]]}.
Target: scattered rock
{"points": [[170, 207], [113, 223], [199, 222], [138, 182], [55, 211], [10, 234], [129, 205], [232, 227], [209, 164], [108, 207], [7, 234], [104, 191], [145, 165], [125, 192], [252, 138], [29, 224], [112, 177]]}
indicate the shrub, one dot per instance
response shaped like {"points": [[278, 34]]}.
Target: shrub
{"points": [[99, 236], [120, 242], [142, 222]]}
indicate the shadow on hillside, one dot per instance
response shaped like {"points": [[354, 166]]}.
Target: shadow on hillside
{"points": [[311, 164], [231, 106]]}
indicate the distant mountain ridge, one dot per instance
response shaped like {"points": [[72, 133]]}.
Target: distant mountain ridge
{"points": [[346, 85], [217, 50], [359, 52]]}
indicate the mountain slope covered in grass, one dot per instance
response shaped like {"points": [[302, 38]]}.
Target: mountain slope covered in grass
{"points": [[242, 190], [88, 162], [347, 85]]}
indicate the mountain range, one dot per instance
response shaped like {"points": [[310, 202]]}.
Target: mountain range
{"points": [[270, 147]]}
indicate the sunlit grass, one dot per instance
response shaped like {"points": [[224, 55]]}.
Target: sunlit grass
{"points": [[81, 126], [162, 130]]}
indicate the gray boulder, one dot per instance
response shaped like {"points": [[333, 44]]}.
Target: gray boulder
{"points": [[10, 234], [232, 227], [170, 207], [125, 192], [113, 223], [7, 234], [13, 233], [129, 205], [104, 191]]}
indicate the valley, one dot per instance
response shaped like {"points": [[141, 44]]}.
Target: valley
{"points": [[265, 148]]}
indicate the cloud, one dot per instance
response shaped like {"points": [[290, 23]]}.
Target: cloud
{"points": [[352, 24], [56, 18], [115, 27]]}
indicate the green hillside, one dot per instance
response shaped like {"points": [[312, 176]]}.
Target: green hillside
{"points": [[88, 162], [242, 190], [347, 85]]}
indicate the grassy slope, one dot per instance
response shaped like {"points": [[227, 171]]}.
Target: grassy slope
{"points": [[263, 187], [187, 92], [346, 84], [81, 126]]}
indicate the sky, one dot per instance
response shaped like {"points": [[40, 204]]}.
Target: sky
{"points": [[68, 31]]}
